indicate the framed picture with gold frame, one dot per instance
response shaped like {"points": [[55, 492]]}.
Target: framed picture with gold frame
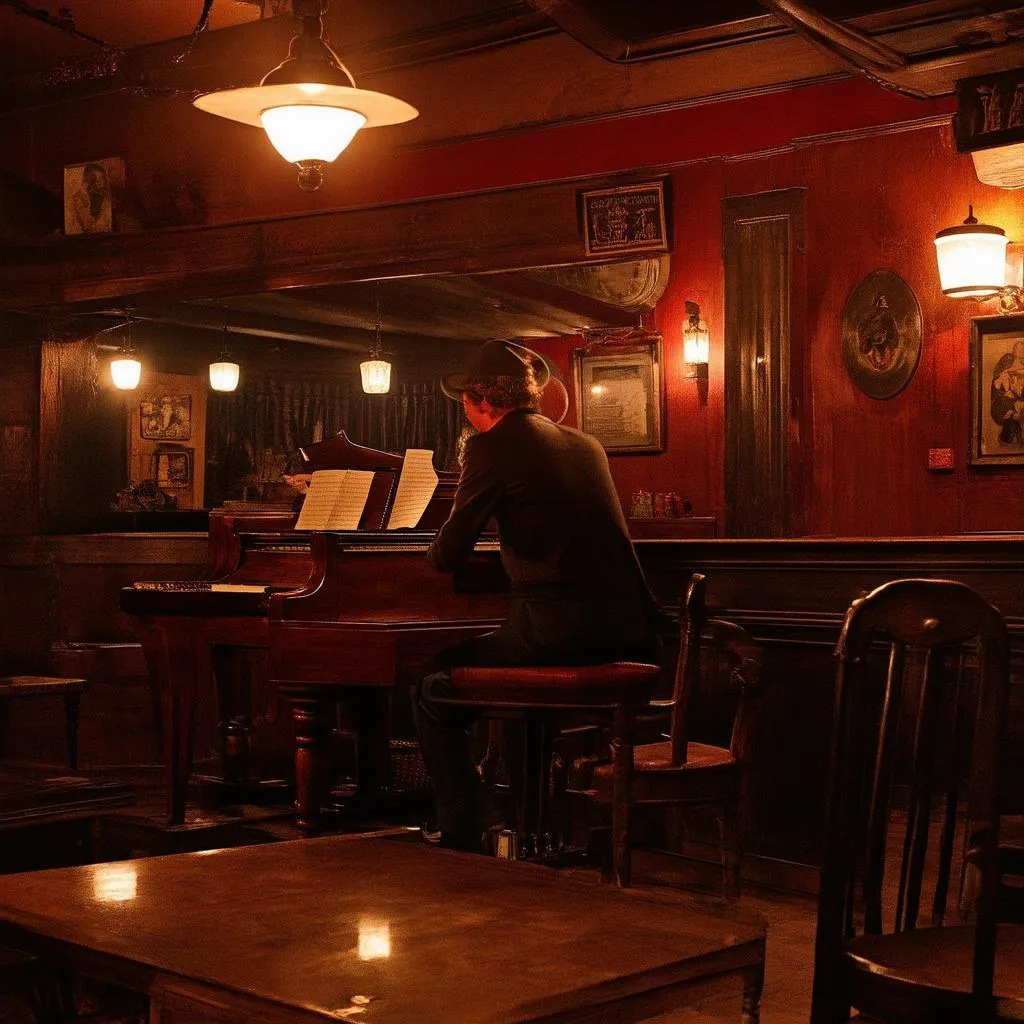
{"points": [[620, 392], [997, 391], [626, 219]]}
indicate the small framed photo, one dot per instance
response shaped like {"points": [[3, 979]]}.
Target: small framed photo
{"points": [[91, 193], [167, 418], [620, 397], [624, 220], [997, 391], [174, 469]]}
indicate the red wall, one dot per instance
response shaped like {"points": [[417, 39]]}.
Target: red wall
{"points": [[872, 203], [874, 200]]}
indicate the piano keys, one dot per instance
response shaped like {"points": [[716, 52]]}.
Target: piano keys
{"points": [[376, 578]]}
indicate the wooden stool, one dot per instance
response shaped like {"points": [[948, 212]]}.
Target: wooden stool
{"points": [[539, 692], [50, 686]]}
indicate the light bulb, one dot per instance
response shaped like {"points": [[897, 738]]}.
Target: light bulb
{"points": [[306, 133]]}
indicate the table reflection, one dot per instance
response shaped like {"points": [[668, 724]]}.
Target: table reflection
{"points": [[114, 883], [374, 939]]}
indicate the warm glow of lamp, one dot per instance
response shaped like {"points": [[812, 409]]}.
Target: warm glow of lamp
{"points": [[696, 341], [125, 372], [224, 375], [376, 374], [308, 105], [972, 259]]}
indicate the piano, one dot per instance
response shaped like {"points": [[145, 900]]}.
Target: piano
{"points": [[340, 615]]}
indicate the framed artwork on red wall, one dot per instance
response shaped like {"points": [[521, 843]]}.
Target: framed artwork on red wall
{"points": [[620, 397], [997, 391]]}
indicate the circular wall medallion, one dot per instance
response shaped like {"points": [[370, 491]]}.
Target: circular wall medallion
{"points": [[881, 334]]}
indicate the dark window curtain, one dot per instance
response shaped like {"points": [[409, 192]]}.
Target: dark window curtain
{"points": [[254, 434]]}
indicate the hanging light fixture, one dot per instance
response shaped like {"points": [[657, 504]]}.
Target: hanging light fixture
{"points": [[376, 372], [696, 342], [125, 368], [308, 105], [972, 259], [224, 370]]}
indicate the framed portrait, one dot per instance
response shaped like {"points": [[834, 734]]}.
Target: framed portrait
{"points": [[620, 397], [997, 391], [167, 418], [627, 219], [91, 192]]}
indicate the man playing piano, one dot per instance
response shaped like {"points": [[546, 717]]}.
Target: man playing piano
{"points": [[578, 593]]}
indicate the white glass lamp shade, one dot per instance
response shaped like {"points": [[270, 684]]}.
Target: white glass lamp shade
{"points": [[308, 132], [224, 375], [696, 344], [376, 374], [125, 372], [972, 260]]}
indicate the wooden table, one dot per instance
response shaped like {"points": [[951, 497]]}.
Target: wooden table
{"points": [[379, 931]]}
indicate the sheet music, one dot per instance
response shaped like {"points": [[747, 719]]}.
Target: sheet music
{"points": [[335, 500], [415, 489]]}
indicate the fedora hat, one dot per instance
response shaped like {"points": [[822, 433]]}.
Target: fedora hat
{"points": [[495, 359]]}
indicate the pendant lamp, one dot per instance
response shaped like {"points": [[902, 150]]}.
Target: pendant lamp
{"points": [[224, 370], [125, 367], [375, 371], [972, 259], [308, 105]]}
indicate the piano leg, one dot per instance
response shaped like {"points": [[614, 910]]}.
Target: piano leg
{"points": [[178, 654], [313, 714]]}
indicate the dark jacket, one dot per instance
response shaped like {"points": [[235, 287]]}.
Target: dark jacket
{"points": [[576, 582]]}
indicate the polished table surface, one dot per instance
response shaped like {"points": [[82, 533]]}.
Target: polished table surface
{"points": [[379, 931]]}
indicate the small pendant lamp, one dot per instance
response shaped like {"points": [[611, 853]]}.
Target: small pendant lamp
{"points": [[224, 370], [375, 371], [125, 368]]}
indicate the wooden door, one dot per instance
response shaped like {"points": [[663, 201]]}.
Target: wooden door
{"points": [[763, 370]]}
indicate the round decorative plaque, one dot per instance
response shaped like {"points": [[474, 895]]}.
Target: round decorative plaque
{"points": [[881, 334]]}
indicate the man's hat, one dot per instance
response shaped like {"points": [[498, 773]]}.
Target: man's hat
{"points": [[495, 359]]}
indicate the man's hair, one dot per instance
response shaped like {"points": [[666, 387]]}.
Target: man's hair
{"points": [[506, 392]]}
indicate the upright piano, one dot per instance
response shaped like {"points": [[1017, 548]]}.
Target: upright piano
{"points": [[343, 614]]}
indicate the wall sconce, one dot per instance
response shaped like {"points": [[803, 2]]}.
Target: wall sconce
{"points": [[125, 368], [224, 370], [972, 263], [375, 371], [696, 343], [308, 105]]}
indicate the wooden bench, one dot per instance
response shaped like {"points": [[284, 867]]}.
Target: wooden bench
{"points": [[71, 689]]}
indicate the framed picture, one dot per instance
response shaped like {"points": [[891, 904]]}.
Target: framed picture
{"points": [[90, 195], [167, 418], [623, 220], [620, 396], [997, 391], [174, 469]]}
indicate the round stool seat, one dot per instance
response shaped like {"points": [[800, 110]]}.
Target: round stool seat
{"points": [[560, 686]]}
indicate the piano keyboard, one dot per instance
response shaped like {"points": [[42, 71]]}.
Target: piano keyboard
{"points": [[199, 587]]}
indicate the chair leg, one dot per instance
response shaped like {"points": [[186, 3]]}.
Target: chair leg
{"points": [[622, 774], [71, 705], [729, 834]]}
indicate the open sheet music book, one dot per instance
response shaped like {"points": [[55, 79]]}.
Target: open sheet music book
{"points": [[337, 497]]}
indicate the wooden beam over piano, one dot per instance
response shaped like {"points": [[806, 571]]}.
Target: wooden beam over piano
{"points": [[506, 229]]}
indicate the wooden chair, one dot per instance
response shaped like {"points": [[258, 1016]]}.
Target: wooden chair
{"points": [[542, 695], [714, 656], [940, 645]]}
